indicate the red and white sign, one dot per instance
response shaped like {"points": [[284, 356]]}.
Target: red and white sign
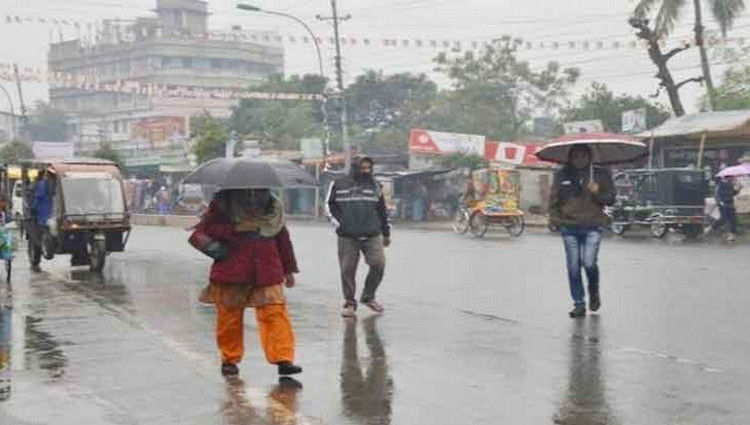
{"points": [[435, 142], [512, 153]]}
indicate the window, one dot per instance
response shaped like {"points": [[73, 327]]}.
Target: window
{"points": [[166, 61], [187, 62]]}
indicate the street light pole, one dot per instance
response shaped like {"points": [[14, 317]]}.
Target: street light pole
{"points": [[12, 111], [250, 8]]}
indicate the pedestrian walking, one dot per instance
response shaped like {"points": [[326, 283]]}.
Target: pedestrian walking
{"points": [[579, 194], [245, 233], [357, 208], [726, 190]]}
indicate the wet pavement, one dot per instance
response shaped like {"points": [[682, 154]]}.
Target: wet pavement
{"points": [[476, 331]]}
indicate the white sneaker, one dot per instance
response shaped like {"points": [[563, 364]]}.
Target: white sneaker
{"points": [[349, 311]]}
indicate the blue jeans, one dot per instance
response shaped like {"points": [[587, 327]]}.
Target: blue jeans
{"points": [[581, 251]]}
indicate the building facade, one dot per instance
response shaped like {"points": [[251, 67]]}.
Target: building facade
{"points": [[137, 83]]}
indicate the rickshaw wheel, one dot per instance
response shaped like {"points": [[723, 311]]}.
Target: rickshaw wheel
{"points": [[516, 225], [478, 224], [618, 229], [98, 255], [461, 222], [659, 230], [35, 254]]}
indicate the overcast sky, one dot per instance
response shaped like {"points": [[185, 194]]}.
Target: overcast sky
{"points": [[625, 70]]}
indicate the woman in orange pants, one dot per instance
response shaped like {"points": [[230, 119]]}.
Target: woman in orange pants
{"points": [[244, 232]]}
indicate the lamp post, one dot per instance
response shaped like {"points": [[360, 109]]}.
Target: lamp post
{"points": [[250, 8]]}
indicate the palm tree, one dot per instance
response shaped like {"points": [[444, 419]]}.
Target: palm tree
{"points": [[723, 11]]}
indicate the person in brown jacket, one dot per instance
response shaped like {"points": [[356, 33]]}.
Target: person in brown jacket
{"points": [[579, 194]]}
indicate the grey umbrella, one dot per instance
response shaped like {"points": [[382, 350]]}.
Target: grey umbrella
{"points": [[250, 173]]}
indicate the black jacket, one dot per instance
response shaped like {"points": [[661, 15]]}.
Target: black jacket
{"points": [[357, 207], [572, 205], [725, 193]]}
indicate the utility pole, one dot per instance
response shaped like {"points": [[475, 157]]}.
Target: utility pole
{"points": [[341, 105], [24, 118]]}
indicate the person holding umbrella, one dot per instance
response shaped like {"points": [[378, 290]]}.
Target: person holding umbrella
{"points": [[579, 194], [726, 190], [245, 233]]}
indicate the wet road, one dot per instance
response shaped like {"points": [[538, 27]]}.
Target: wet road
{"points": [[475, 332]]}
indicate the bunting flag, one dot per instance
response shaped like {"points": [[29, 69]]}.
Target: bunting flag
{"points": [[125, 32]]}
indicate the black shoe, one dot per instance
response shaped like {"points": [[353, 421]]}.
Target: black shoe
{"points": [[595, 303], [578, 311], [288, 368], [229, 369]]}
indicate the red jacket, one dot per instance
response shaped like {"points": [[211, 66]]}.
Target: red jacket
{"points": [[252, 259]]}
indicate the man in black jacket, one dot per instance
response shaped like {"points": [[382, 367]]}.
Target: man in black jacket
{"points": [[357, 208]]}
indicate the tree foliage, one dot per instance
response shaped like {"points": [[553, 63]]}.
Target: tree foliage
{"points": [[601, 103], [734, 91], [280, 124], [47, 124], [14, 151], [210, 136], [384, 108], [668, 12], [108, 152], [460, 160], [497, 94]]}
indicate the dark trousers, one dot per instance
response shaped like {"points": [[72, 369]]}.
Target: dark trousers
{"points": [[729, 216], [349, 252]]}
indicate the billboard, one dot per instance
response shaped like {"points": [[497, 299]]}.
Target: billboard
{"points": [[159, 131], [53, 150], [438, 143], [634, 121], [513, 153]]}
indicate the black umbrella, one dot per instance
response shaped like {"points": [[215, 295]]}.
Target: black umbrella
{"points": [[249, 173]]}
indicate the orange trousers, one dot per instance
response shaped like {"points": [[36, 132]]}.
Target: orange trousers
{"points": [[274, 328]]}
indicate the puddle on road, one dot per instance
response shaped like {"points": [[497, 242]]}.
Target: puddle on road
{"points": [[366, 395]]}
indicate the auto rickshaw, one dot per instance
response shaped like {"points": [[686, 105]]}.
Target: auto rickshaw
{"points": [[497, 204], [88, 217], [660, 199]]}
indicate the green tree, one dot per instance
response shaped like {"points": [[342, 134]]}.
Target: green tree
{"points": [[47, 124], [734, 91], [497, 94], [460, 160], [14, 151], [108, 152], [280, 124], [601, 103], [209, 135], [382, 109], [668, 12]]}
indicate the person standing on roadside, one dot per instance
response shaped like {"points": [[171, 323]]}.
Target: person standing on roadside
{"points": [[357, 208], [725, 193], [579, 194]]}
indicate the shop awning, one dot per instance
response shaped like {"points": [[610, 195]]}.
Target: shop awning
{"points": [[722, 124]]}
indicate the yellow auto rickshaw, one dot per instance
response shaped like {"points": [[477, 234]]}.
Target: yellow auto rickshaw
{"points": [[87, 216]]}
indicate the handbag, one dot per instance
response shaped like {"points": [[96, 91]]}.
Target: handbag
{"points": [[217, 250]]}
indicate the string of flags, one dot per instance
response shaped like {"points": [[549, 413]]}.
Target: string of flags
{"points": [[125, 33]]}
